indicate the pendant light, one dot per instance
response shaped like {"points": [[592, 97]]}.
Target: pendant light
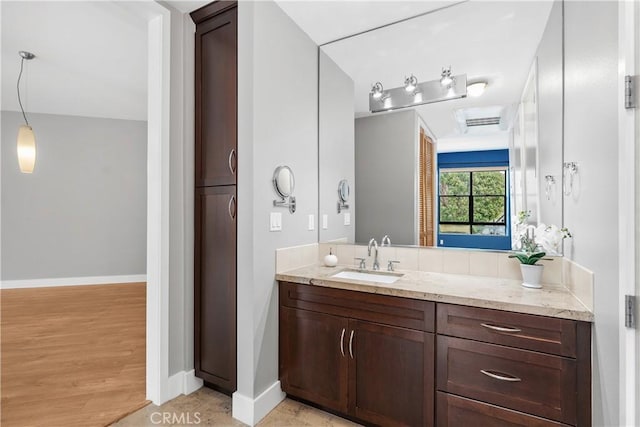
{"points": [[26, 137]]}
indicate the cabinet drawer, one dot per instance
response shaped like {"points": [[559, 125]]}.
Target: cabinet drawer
{"points": [[538, 333], [531, 382], [458, 411], [387, 310]]}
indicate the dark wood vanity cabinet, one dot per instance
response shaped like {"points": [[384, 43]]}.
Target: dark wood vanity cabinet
{"points": [[511, 368], [216, 206], [366, 356], [376, 359]]}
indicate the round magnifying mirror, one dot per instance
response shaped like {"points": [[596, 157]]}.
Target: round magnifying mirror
{"points": [[283, 181], [343, 190]]}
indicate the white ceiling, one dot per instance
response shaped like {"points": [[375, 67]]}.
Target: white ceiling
{"points": [[91, 55], [326, 21], [91, 58], [493, 41]]}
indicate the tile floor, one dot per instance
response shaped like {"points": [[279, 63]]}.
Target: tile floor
{"points": [[207, 408]]}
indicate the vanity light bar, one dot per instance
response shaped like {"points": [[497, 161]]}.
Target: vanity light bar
{"points": [[424, 93]]}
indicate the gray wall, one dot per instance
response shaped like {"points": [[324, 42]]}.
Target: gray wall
{"points": [[385, 177], [277, 125], [83, 210], [549, 56], [336, 148], [591, 135], [181, 184]]}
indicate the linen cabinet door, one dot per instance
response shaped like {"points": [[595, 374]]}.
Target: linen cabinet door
{"points": [[313, 357], [215, 286], [391, 375], [216, 100]]}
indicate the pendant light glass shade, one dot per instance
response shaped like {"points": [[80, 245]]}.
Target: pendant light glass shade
{"points": [[26, 149]]}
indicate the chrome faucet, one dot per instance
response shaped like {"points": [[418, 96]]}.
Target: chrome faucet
{"points": [[386, 241], [374, 244]]}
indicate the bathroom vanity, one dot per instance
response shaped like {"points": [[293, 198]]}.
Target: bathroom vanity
{"points": [[435, 349]]}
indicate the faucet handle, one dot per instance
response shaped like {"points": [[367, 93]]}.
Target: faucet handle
{"points": [[390, 265], [363, 264]]}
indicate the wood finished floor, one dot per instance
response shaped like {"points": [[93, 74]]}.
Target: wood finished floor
{"points": [[72, 356]]}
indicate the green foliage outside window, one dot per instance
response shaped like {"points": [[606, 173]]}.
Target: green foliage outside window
{"points": [[482, 191]]}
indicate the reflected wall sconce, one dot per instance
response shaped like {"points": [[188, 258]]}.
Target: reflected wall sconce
{"points": [[414, 93], [445, 78], [410, 83], [550, 182], [569, 170], [377, 90], [26, 139]]}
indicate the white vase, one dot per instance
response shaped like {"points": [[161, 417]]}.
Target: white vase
{"points": [[531, 275]]}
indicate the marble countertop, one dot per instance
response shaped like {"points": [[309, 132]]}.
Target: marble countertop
{"points": [[485, 292]]}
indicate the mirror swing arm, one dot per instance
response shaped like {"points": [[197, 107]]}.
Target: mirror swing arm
{"points": [[291, 204]]}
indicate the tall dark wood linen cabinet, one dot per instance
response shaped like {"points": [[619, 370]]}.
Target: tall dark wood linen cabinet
{"points": [[216, 206]]}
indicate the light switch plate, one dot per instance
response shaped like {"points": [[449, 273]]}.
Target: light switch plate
{"points": [[312, 222], [325, 221], [275, 223], [347, 218]]}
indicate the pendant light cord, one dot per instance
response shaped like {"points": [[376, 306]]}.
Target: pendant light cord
{"points": [[18, 87]]}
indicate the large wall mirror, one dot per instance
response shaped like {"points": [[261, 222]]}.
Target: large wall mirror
{"points": [[437, 168]]}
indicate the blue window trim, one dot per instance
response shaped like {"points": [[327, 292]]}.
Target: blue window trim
{"points": [[475, 159]]}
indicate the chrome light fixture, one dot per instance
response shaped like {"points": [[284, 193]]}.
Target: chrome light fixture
{"points": [[410, 83], [476, 89], [414, 93], [377, 90], [446, 79], [26, 138]]}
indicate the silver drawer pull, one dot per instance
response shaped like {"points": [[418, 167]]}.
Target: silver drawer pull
{"points": [[502, 377], [351, 343], [500, 328], [232, 201], [342, 342], [232, 156]]}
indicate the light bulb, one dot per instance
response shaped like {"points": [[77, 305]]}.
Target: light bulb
{"points": [[26, 149], [446, 78], [410, 83], [476, 89], [376, 90]]}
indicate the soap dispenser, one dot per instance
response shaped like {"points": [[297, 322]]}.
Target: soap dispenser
{"points": [[330, 260]]}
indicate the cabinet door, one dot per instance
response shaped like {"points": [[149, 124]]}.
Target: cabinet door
{"points": [[391, 375], [216, 100], [313, 357], [215, 286]]}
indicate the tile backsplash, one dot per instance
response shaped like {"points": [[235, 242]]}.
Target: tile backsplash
{"points": [[558, 270], [436, 260], [296, 257]]}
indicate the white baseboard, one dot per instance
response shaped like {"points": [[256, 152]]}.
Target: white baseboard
{"points": [[251, 411], [175, 385], [182, 383], [191, 382], [72, 281]]}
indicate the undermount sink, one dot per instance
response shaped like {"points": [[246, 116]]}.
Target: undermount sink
{"points": [[368, 276]]}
